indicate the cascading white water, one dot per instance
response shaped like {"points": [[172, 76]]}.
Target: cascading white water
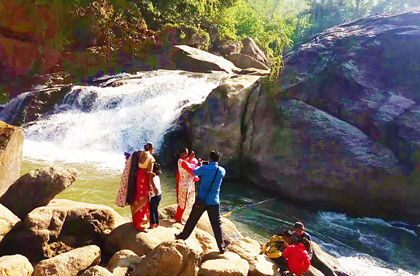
{"points": [[99, 123]]}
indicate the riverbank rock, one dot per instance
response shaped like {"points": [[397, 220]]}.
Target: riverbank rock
{"points": [[250, 48], [98, 271], [38, 187], [31, 106], [247, 248], [70, 263], [213, 255], [326, 263], [170, 258], [15, 265], [263, 266], [244, 62], [11, 141], [123, 262], [127, 236], [230, 232], [60, 227], [222, 267], [7, 221]]}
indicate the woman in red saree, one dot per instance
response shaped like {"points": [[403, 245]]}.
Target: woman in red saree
{"points": [[185, 188], [135, 186]]}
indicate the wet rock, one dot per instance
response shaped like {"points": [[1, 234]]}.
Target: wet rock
{"points": [[60, 227], [221, 267], [38, 187], [325, 263], [70, 263], [15, 265], [11, 141], [7, 221], [169, 258]]}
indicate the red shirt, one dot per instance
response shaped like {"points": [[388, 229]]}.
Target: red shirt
{"points": [[298, 260]]}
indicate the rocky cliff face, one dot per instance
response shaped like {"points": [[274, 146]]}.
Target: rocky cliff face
{"points": [[343, 133]]}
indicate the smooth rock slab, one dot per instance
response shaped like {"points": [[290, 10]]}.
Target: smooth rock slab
{"points": [[37, 188], [70, 263], [263, 266], [221, 267], [15, 265]]}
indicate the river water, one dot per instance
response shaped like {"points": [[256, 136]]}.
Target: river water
{"points": [[96, 125]]}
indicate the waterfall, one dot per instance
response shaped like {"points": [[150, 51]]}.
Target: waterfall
{"points": [[97, 124]]}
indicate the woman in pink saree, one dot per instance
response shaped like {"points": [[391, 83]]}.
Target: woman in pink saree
{"points": [[185, 187]]}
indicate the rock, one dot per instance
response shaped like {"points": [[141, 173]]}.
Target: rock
{"points": [[251, 49], [60, 227], [313, 272], [247, 248], [98, 271], [169, 258], [245, 61], [190, 59], [230, 232], [221, 267], [325, 263], [213, 255], [11, 140], [70, 263], [127, 236], [31, 106], [263, 266], [123, 262], [38, 187], [16, 265], [7, 221]]}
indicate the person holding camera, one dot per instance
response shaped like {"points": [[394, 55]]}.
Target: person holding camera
{"points": [[208, 199]]}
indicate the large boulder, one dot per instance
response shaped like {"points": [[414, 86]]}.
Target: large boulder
{"points": [[247, 248], [59, 227], [11, 140], [245, 61], [251, 49], [127, 236], [15, 265], [325, 263], [171, 258], [263, 266], [222, 267], [38, 187], [70, 263], [7, 221], [346, 125]]}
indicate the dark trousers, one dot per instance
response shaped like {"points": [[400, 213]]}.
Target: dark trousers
{"points": [[281, 263], [154, 203], [214, 215]]}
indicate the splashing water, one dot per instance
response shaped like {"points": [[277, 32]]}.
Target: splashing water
{"points": [[100, 123]]}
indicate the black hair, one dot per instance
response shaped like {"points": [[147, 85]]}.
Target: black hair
{"points": [[149, 146], [182, 150], [156, 169], [214, 156], [285, 233]]}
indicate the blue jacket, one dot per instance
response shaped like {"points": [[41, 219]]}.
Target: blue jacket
{"points": [[206, 174]]}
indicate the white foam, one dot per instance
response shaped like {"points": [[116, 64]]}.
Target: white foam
{"points": [[366, 266]]}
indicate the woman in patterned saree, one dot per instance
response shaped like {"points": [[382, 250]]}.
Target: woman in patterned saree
{"points": [[134, 189], [185, 188]]}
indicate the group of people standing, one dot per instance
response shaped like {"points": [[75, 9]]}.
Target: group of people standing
{"points": [[140, 188]]}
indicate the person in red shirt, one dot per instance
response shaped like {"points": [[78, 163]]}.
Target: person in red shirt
{"points": [[297, 258]]}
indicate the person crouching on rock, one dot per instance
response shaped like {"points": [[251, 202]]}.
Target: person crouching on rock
{"points": [[276, 245], [155, 195], [297, 258], [208, 199], [299, 235]]}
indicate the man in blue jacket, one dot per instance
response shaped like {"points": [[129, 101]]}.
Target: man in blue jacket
{"points": [[211, 177]]}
